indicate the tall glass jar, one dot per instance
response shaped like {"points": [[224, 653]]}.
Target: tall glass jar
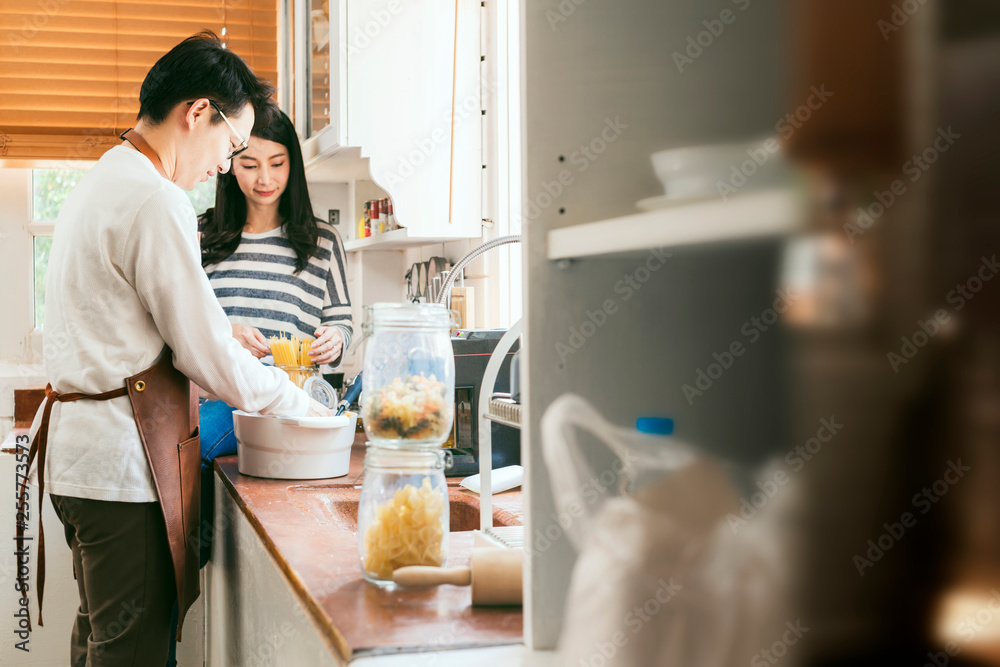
{"points": [[409, 385], [403, 516]]}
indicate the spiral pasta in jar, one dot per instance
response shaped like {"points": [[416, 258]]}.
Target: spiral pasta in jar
{"points": [[409, 395], [403, 515]]}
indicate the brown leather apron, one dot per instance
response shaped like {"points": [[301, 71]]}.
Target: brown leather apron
{"points": [[165, 407]]}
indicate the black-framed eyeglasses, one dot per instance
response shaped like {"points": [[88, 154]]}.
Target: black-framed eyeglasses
{"points": [[243, 142]]}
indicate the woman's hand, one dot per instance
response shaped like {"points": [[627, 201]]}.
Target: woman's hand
{"points": [[252, 339], [328, 345]]}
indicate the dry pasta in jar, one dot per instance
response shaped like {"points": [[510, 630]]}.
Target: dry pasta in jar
{"points": [[403, 515]]}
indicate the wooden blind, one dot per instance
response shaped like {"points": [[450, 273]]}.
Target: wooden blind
{"points": [[70, 70]]}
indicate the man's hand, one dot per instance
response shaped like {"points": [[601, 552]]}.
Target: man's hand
{"points": [[317, 409]]}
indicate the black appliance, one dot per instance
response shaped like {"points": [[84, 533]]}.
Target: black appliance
{"points": [[473, 348]]}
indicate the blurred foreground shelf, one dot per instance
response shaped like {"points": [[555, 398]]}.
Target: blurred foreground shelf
{"points": [[748, 216]]}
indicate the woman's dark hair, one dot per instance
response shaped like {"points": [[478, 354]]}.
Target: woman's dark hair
{"points": [[222, 226], [200, 66]]}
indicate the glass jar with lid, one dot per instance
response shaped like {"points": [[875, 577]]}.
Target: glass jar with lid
{"points": [[299, 374], [403, 516], [409, 371]]}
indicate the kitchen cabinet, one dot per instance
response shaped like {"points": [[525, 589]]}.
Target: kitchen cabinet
{"points": [[399, 84], [656, 293], [627, 308], [285, 584]]}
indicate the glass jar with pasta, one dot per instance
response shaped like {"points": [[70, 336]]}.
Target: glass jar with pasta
{"points": [[409, 394], [291, 354], [403, 516]]}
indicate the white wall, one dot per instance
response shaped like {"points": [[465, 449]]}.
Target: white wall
{"points": [[20, 351]]}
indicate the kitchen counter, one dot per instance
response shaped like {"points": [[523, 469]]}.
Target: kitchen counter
{"points": [[309, 529]]}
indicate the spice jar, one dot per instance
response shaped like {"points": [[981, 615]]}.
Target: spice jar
{"points": [[403, 516], [409, 393]]}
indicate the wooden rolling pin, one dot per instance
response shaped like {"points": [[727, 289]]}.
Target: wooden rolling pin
{"points": [[493, 573]]}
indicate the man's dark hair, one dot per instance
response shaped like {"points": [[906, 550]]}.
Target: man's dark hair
{"points": [[200, 66]]}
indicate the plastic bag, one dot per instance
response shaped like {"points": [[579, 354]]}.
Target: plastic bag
{"points": [[664, 576]]}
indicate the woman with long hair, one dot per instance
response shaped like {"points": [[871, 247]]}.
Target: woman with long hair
{"points": [[275, 269]]}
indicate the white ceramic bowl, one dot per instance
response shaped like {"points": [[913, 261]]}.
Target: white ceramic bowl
{"points": [[696, 171], [294, 447]]}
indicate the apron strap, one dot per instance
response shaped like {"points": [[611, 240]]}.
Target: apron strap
{"points": [[38, 448]]}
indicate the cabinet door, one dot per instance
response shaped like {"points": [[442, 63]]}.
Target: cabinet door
{"points": [[414, 107]]}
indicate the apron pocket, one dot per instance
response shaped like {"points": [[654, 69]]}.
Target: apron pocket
{"points": [[189, 460]]}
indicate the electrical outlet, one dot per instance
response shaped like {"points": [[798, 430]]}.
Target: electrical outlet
{"points": [[334, 216]]}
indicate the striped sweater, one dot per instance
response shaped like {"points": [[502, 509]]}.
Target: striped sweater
{"points": [[257, 286]]}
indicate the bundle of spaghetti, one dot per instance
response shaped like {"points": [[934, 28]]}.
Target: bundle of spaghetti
{"points": [[291, 353]]}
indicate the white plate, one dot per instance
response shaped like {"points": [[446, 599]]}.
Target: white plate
{"points": [[666, 201]]}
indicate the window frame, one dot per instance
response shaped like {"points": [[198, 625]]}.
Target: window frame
{"points": [[42, 228]]}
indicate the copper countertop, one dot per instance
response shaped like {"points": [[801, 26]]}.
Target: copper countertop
{"points": [[320, 560]]}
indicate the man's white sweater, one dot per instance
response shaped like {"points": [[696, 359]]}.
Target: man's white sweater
{"points": [[125, 278]]}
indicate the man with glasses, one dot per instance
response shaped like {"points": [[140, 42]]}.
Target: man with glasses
{"points": [[114, 435]]}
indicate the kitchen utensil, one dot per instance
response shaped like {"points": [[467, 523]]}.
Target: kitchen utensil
{"points": [[411, 283], [494, 574], [435, 288], [436, 266], [294, 447], [423, 289], [350, 395]]}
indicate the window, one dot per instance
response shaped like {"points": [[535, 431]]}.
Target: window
{"points": [[49, 189], [72, 70]]}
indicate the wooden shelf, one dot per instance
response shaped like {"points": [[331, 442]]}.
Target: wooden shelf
{"points": [[397, 239], [752, 215]]}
